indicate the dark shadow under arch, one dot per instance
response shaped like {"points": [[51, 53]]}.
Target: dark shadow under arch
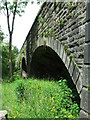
{"points": [[24, 67], [47, 64]]}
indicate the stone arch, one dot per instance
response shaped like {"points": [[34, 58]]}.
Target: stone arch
{"points": [[73, 70], [55, 51], [23, 68], [46, 63]]}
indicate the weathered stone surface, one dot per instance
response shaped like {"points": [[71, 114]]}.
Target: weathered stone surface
{"points": [[87, 53], [71, 68], [83, 115], [88, 12], [61, 51], [67, 62], [64, 57], [59, 48], [76, 74], [79, 84], [3, 115], [86, 79], [85, 100], [87, 32]]}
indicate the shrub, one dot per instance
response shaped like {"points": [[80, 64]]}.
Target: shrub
{"points": [[20, 90]]}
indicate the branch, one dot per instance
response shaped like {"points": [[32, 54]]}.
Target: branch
{"points": [[14, 16], [7, 17]]}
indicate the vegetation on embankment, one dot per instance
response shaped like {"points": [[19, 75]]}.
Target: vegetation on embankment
{"points": [[34, 98]]}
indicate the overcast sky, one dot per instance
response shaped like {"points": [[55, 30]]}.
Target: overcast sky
{"points": [[22, 24]]}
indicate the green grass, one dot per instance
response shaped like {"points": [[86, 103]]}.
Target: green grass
{"points": [[34, 98]]}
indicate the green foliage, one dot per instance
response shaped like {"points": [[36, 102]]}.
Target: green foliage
{"points": [[39, 99], [69, 5], [5, 59], [20, 90], [11, 6], [66, 49], [23, 51], [2, 35], [40, 19], [59, 5], [60, 22], [88, 87], [51, 31], [44, 42], [69, 54]]}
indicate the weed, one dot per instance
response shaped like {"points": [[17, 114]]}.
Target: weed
{"points": [[39, 99]]}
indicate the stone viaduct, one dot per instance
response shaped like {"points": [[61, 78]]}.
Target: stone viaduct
{"points": [[59, 43]]}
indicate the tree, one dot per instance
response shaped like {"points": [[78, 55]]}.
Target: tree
{"points": [[5, 57], [12, 7], [2, 36]]}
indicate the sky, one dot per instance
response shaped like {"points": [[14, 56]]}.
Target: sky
{"points": [[22, 24]]}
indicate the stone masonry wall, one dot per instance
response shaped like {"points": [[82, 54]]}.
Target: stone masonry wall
{"points": [[66, 22]]}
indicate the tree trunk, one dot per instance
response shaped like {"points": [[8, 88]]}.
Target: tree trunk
{"points": [[10, 54]]}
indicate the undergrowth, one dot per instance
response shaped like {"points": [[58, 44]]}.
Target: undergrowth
{"points": [[34, 98]]}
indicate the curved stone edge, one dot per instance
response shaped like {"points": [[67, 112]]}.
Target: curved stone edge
{"points": [[69, 64]]}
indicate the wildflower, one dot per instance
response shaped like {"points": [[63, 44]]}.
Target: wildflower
{"points": [[17, 112], [69, 116], [23, 106], [12, 113], [8, 80], [37, 109], [61, 108], [53, 107], [14, 116]]}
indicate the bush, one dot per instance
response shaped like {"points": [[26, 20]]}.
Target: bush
{"points": [[20, 90]]}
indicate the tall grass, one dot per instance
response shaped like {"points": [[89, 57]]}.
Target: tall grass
{"points": [[34, 98]]}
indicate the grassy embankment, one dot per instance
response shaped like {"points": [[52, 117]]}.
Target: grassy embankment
{"points": [[34, 98]]}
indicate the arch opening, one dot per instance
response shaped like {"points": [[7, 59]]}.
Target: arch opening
{"points": [[47, 64], [24, 67]]}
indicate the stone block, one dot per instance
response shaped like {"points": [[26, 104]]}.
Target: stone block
{"points": [[64, 57], [88, 12], [83, 115], [54, 46], [3, 115], [87, 33], [71, 68], [51, 43], [59, 48], [79, 84], [85, 100], [67, 62], [86, 78], [87, 53], [61, 51]]}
